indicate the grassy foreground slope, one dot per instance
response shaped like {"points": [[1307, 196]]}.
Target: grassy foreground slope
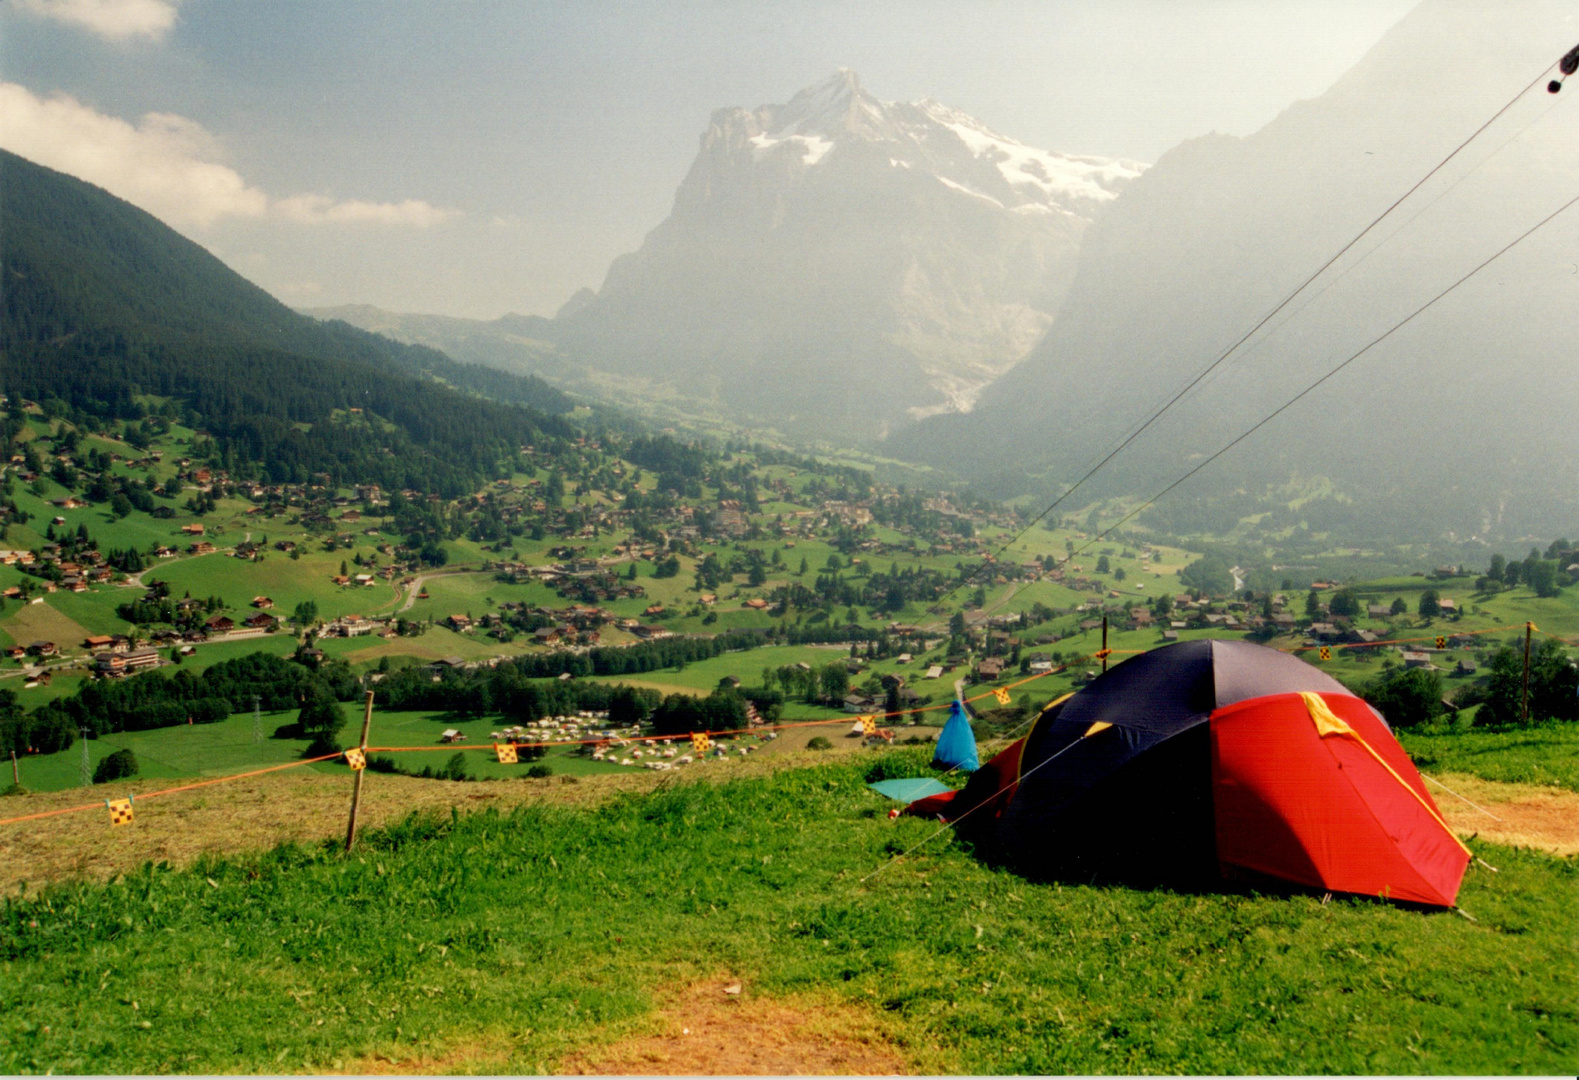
{"points": [[539, 933], [1547, 754]]}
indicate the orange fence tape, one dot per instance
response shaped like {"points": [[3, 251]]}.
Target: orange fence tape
{"points": [[1400, 641], [995, 692], [480, 746], [172, 790]]}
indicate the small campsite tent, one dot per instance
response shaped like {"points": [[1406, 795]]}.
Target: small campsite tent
{"points": [[1212, 758], [956, 747]]}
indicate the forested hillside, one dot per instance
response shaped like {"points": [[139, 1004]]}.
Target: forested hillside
{"points": [[104, 307]]}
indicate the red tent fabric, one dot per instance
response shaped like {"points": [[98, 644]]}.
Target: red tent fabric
{"points": [[1210, 759], [1312, 788], [993, 783]]}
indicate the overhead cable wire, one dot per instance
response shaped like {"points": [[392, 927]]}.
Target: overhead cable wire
{"points": [[1136, 432], [1297, 397], [1382, 242]]}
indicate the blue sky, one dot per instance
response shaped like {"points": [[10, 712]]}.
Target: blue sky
{"points": [[479, 158]]}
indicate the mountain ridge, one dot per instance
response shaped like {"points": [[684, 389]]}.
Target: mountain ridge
{"points": [[841, 262], [105, 306], [832, 267], [1221, 228]]}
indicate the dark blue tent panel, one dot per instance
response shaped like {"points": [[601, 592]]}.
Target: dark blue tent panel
{"points": [[1149, 700]]}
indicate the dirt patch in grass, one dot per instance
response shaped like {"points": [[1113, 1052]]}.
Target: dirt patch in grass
{"points": [[485, 1057], [706, 1030], [1516, 815]]}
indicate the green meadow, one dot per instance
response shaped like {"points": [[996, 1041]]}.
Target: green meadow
{"points": [[196, 751], [1548, 754], [545, 931]]}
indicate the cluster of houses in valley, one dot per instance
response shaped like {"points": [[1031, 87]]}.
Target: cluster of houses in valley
{"points": [[578, 626], [111, 654], [585, 581], [72, 573]]}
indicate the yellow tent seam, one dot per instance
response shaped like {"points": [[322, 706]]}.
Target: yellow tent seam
{"points": [[1329, 723]]}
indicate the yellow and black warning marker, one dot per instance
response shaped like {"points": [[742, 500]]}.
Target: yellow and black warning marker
{"points": [[700, 742], [506, 753], [120, 811], [1325, 653], [1441, 642], [868, 725], [356, 758], [1002, 695]]}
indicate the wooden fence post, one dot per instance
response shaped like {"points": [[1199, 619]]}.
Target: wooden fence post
{"points": [[356, 789], [1524, 695]]}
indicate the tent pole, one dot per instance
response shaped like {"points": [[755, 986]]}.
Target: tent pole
{"points": [[1524, 694]]}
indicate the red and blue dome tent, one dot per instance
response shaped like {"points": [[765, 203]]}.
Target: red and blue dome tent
{"points": [[1208, 760]]}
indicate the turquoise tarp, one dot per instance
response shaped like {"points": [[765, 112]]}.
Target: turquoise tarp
{"points": [[908, 791]]}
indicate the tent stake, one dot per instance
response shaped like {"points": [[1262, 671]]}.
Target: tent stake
{"points": [[356, 789]]}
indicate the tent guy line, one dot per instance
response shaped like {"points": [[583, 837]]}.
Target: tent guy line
{"points": [[1461, 798], [1380, 244], [985, 802]]}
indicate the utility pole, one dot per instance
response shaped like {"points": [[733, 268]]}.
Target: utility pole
{"points": [[1104, 641], [87, 766], [257, 721], [1524, 695], [16, 774]]}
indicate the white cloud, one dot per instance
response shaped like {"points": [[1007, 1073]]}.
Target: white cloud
{"points": [[163, 164], [321, 210], [166, 165], [113, 19]]}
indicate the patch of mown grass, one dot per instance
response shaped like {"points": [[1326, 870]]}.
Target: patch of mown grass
{"points": [[546, 930], [1547, 754]]}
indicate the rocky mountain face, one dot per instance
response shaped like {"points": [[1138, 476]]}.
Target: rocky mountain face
{"points": [[838, 265], [1461, 423]]}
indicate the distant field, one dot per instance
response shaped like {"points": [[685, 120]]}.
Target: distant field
{"points": [[196, 750], [210, 653], [26, 623], [284, 580], [203, 750], [435, 643]]}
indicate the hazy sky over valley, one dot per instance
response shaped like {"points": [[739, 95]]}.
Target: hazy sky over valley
{"points": [[474, 159]]}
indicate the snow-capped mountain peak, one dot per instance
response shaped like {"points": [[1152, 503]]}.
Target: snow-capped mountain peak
{"points": [[841, 262], [1094, 178], [958, 150]]}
